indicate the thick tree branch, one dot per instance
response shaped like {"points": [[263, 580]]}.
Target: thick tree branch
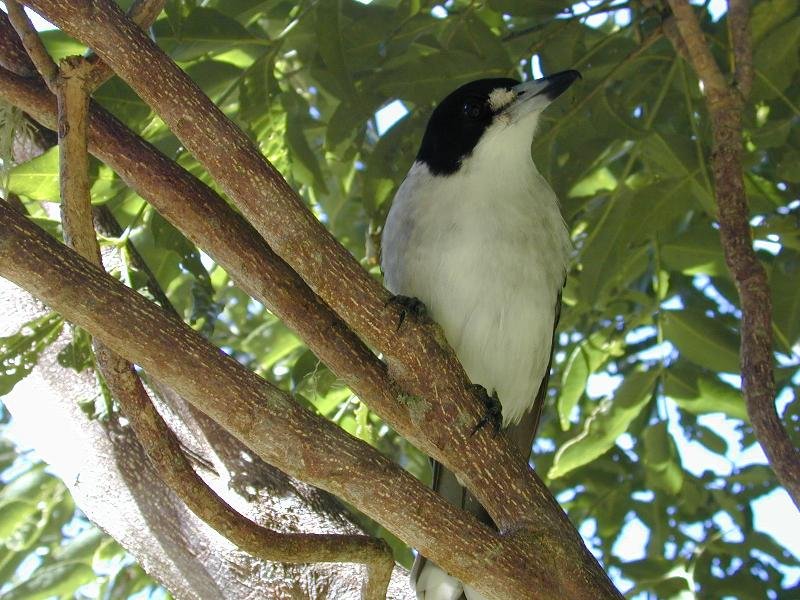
{"points": [[166, 454], [12, 53], [234, 245], [421, 363], [141, 12], [74, 82], [725, 107], [275, 427]]}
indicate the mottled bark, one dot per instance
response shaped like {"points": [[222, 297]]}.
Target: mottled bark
{"points": [[284, 434], [114, 483], [436, 388]]}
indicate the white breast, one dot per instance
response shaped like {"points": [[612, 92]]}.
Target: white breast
{"points": [[486, 250]]}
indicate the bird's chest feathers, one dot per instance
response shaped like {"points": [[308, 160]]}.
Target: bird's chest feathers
{"points": [[486, 253], [498, 224]]}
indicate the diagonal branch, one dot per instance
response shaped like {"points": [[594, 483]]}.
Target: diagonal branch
{"points": [[141, 12], [698, 50], [490, 461], [725, 106], [276, 428], [13, 55], [33, 43], [437, 386]]}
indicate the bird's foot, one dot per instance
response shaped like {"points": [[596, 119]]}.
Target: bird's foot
{"points": [[408, 305], [493, 409]]}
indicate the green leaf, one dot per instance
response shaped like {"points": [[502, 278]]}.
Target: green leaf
{"points": [[59, 45], [304, 161], [605, 248], [61, 579], [38, 179], [776, 59], [697, 251], [661, 459], [329, 38], [786, 308], [82, 547], [20, 352], [675, 156], [610, 420], [13, 515], [699, 392], [77, 354], [529, 8], [769, 14], [214, 77], [203, 31], [584, 360], [711, 440], [116, 96], [434, 75], [349, 119], [703, 340]]}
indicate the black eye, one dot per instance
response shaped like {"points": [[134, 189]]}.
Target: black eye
{"points": [[472, 109]]}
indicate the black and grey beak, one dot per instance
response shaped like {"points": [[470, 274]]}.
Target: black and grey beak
{"points": [[550, 87]]}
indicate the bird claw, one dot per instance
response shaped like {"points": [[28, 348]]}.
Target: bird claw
{"points": [[408, 306], [493, 409]]}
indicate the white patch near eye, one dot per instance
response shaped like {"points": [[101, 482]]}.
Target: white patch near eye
{"points": [[500, 98]]}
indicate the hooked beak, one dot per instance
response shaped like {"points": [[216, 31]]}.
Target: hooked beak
{"points": [[538, 93]]}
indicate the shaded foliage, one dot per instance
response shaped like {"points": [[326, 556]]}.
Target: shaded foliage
{"points": [[649, 305]]}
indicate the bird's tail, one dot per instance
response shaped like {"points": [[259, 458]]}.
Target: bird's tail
{"points": [[433, 583]]}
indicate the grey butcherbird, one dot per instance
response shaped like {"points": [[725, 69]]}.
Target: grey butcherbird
{"points": [[475, 233]]}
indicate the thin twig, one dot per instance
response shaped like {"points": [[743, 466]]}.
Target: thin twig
{"points": [[725, 106], [738, 26], [33, 43], [107, 224], [696, 47]]}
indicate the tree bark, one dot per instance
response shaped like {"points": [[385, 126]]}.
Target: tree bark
{"points": [[726, 103], [418, 357], [111, 479]]}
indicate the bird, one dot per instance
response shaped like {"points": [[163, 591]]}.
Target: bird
{"points": [[475, 235]]}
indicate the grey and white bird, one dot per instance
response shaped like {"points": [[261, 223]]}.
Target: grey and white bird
{"points": [[476, 234]]}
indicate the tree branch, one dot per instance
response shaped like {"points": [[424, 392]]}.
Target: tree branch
{"points": [[141, 12], [277, 429], [725, 106], [74, 82], [739, 28], [702, 60], [166, 454], [490, 461], [33, 44], [418, 358], [12, 53]]}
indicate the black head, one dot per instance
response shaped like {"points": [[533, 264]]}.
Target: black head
{"points": [[457, 123], [460, 120]]}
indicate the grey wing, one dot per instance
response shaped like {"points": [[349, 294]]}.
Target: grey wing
{"points": [[523, 433]]}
